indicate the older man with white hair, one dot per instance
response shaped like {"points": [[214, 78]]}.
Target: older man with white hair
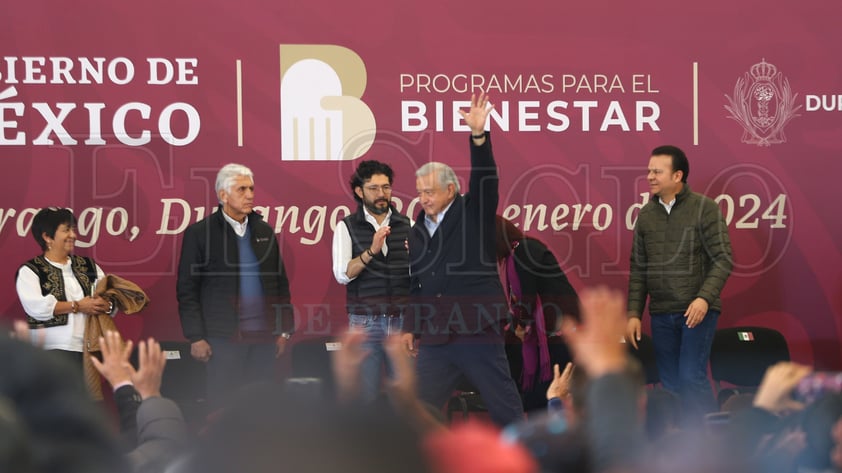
{"points": [[233, 292], [457, 304]]}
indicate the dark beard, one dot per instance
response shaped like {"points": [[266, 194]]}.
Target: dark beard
{"points": [[376, 210]]}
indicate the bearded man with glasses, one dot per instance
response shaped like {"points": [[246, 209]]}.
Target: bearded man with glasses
{"points": [[370, 259]]}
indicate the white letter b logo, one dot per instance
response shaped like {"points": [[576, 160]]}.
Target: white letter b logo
{"points": [[322, 116]]}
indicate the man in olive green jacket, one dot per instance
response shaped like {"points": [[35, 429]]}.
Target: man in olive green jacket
{"points": [[680, 259]]}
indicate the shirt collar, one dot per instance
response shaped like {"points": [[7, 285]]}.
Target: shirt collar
{"points": [[430, 224], [667, 205], [239, 228]]}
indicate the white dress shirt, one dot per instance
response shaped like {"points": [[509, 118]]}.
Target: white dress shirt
{"points": [[342, 246], [239, 228], [68, 337], [667, 205]]}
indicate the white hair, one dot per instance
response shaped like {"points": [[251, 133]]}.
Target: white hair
{"points": [[443, 171], [228, 174]]}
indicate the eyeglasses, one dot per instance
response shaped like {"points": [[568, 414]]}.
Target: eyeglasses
{"points": [[386, 188]]}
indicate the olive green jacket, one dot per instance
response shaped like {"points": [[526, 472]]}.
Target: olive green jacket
{"points": [[679, 256]]}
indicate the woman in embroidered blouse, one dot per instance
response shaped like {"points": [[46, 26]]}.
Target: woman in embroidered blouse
{"points": [[55, 287]]}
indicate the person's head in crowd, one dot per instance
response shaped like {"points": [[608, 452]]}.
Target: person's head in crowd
{"points": [[475, 447], [694, 451], [820, 424], [48, 423], [551, 441], [557, 441], [15, 445], [270, 429], [663, 411], [575, 406]]}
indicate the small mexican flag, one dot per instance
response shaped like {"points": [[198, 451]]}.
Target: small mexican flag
{"points": [[745, 336]]}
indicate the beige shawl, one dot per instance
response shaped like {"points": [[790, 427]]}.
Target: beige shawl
{"points": [[128, 298]]}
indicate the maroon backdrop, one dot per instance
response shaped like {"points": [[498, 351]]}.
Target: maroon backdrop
{"points": [[124, 114]]}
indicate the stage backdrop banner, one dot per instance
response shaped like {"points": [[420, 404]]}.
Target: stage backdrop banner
{"points": [[125, 114]]}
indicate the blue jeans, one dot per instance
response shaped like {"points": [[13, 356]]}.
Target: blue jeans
{"points": [[376, 329], [682, 355]]}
